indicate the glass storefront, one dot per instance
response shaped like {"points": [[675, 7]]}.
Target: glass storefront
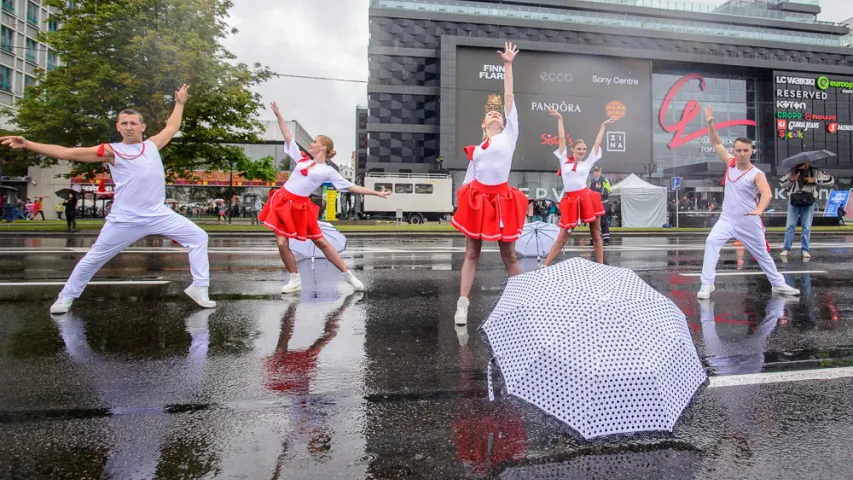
{"points": [[678, 101]]}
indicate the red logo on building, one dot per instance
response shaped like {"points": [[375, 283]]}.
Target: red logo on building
{"points": [[690, 112], [781, 124], [832, 127]]}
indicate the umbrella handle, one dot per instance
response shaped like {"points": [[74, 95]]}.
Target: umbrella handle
{"points": [[489, 377]]}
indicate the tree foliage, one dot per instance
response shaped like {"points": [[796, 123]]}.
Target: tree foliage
{"points": [[120, 54]]}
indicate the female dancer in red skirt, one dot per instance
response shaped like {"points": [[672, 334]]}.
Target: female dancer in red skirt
{"points": [[487, 207], [579, 204], [291, 214]]}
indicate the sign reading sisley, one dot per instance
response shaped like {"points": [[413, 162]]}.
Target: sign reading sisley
{"points": [[585, 89]]}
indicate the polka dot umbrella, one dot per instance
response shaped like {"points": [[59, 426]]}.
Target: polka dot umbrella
{"points": [[596, 347]]}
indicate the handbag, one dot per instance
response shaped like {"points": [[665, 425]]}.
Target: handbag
{"points": [[802, 199]]}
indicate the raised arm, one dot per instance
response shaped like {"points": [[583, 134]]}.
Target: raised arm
{"points": [[716, 141], [367, 191], [80, 154], [766, 195], [596, 147], [508, 55], [173, 125], [282, 125], [561, 130]]}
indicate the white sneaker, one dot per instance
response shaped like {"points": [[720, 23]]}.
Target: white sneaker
{"points": [[199, 295], [705, 292], [293, 285], [462, 335], [786, 290], [461, 317], [61, 305], [784, 253], [807, 255], [356, 283]]}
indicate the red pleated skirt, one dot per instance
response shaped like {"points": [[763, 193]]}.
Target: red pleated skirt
{"points": [[291, 216], [490, 212], [580, 206]]}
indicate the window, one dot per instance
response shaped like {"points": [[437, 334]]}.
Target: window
{"points": [[51, 60], [29, 81], [52, 25], [425, 188], [32, 49], [6, 36], [382, 187], [6, 79], [403, 188], [9, 6], [32, 13]]}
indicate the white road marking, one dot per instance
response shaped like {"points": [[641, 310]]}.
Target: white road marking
{"points": [[781, 377], [752, 272], [54, 284]]}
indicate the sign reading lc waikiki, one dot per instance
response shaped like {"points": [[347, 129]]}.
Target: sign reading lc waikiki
{"points": [[813, 112]]}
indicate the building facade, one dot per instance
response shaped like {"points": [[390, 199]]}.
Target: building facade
{"points": [[433, 67], [20, 53]]}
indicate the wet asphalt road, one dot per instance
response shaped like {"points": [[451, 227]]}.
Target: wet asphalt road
{"points": [[138, 383]]}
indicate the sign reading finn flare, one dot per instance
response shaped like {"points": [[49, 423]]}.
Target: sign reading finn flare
{"points": [[585, 89]]}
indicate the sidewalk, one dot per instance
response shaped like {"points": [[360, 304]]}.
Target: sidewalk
{"points": [[244, 227]]}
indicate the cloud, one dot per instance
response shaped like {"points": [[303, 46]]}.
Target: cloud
{"points": [[316, 38]]}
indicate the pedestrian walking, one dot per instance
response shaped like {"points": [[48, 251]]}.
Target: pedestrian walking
{"points": [[38, 208], [489, 209], [58, 208], [741, 213], [290, 213], [257, 205], [601, 185], [579, 203], [70, 206], [529, 211], [138, 208], [801, 182], [841, 213]]}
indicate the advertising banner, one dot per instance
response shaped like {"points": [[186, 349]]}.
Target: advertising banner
{"points": [[585, 89], [813, 112], [837, 198]]}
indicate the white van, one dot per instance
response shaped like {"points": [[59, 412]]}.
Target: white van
{"points": [[419, 196]]}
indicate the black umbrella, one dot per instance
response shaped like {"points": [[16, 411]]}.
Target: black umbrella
{"points": [[6, 187], [63, 192], [804, 157]]}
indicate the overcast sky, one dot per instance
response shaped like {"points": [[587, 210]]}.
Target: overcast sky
{"points": [[328, 38]]}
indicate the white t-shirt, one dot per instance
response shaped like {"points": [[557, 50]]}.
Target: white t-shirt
{"points": [[318, 173], [741, 193], [574, 180], [140, 183], [491, 166]]}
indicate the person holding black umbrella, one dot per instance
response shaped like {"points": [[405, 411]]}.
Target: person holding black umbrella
{"points": [[70, 205], [801, 182]]}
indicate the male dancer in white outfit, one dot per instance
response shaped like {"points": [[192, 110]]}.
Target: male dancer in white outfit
{"points": [[741, 213], [139, 206]]}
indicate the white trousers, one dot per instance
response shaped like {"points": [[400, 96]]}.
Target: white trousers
{"points": [[117, 235], [750, 232]]}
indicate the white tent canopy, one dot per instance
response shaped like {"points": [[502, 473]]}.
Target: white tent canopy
{"points": [[643, 204]]}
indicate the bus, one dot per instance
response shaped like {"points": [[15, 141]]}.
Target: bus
{"points": [[419, 197]]}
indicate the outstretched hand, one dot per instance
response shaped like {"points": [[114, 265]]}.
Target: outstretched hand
{"points": [[383, 193], [181, 95], [610, 121], [709, 114], [509, 52], [14, 142], [275, 109], [754, 213], [555, 113]]}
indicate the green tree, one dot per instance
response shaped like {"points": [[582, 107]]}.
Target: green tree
{"points": [[134, 54], [261, 169]]}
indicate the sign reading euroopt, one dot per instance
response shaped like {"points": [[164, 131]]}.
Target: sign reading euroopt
{"points": [[813, 112], [585, 89]]}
